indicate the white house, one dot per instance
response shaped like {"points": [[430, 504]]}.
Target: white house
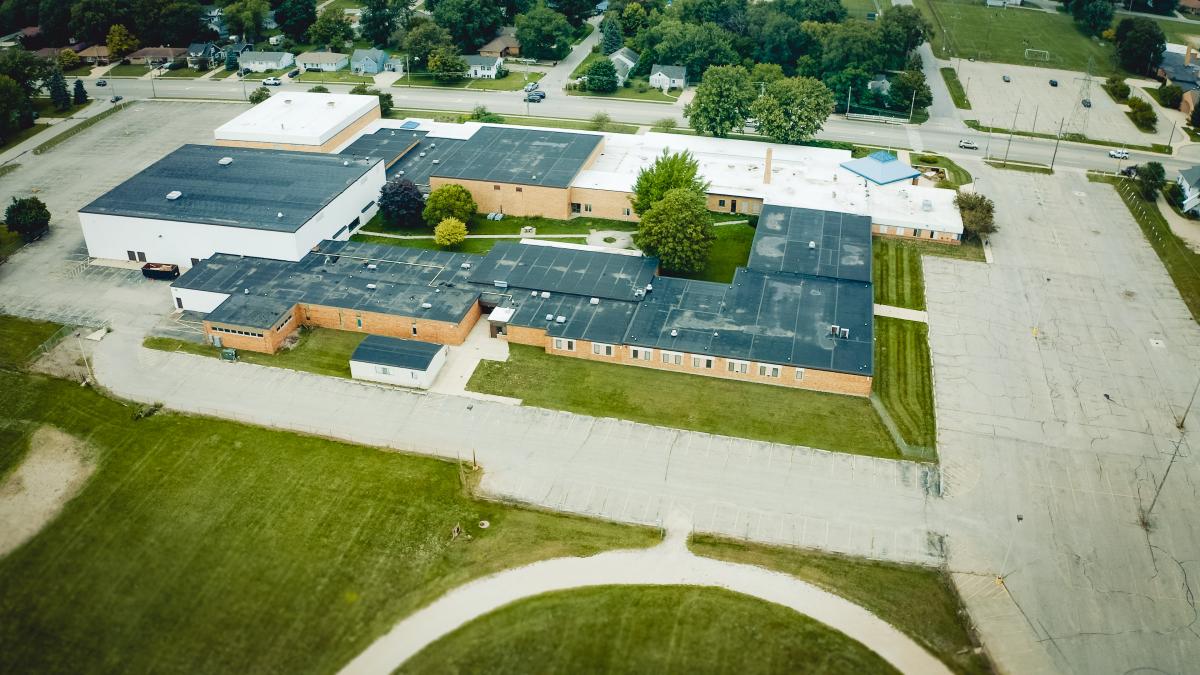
{"points": [[261, 62], [1189, 182], [483, 67], [407, 363], [668, 77], [624, 60], [326, 61], [206, 199]]}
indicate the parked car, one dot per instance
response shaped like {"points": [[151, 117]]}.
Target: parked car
{"points": [[243, 72], [294, 73], [966, 144], [272, 82], [1053, 83], [1006, 78], [160, 271], [530, 98], [116, 99], [1118, 154], [531, 86], [101, 83], [1087, 102]]}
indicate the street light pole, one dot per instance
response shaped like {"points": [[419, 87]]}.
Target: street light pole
{"points": [[1057, 140], [1010, 133]]}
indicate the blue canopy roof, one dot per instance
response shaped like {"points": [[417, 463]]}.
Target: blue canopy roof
{"points": [[881, 168]]}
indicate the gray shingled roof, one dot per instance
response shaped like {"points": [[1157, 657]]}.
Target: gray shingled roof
{"points": [[673, 72], [395, 352], [477, 60]]}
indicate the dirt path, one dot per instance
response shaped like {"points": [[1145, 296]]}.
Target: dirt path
{"points": [[670, 563], [56, 468]]}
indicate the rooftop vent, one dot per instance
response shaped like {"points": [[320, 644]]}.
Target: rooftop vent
{"points": [[437, 161], [594, 301], [372, 266], [500, 284], [545, 295], [674, 333], [812, 245], [245, 291], [426, 305], [533, 294], [331, 104], [845, 333], [833, 330], [174, 194], [465, 266], [345, 162], [225, 161], [371, 287], [421, 155], [279, 214], [549, 317], [560, 319], [926, 205], [649, 287], [287, 100]]}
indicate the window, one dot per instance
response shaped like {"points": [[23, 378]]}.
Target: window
{"points": [[496, 187], [562, 344], [799, 374], [383, 370], [738, 367], [179, 303], [358, 321], [640, 353], [701, 362], [672, 358], [576, 207], [916, 233], [369, 205], [519, 189], [587, 208], [720, 202], [602, 349], [195, 261], [141, 256], [414, 329], [765, 370], [626, 211], [132, 255]]}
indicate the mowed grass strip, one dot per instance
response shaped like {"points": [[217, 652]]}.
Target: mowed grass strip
{"points": [[204, 546], [903, 380], [744, 409], [957, 93], [897, 274], [920, 601], [645, 629], [319, 350], [19, 337]]}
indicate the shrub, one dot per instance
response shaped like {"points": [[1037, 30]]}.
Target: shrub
{"points": [[1170, 95], [665, 125], [482, 114], [319, 89], [978, 214], [449, 201], [642, 87], [1118, 88], [1142, 114], [259, 95], [600, 121], [450, 232]]}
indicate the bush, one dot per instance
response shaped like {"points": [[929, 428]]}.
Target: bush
{"points": [[27, 217], [319, 89], [1142, 114], [641, 87], [1170, 95], [1174, 194], [665, 125], [1117, 88], [259, 95], [450, 232], [449, 201], [600, 122], [602, 76], [482, 114], [978, 214]]}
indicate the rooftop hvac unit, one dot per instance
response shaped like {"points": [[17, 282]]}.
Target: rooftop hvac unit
{"points": [[560, 319], [674, 333], [834, 329], [549, 317], [225, 161], [331, 104], [287, 100], [426, 305], [545, 295], [437, 161], [174, 194], [533, 294], [500, 284], [345, 162], [371, 287], [812, 245], [245, 291], [594, 301], [649, 287], [432, 146], [926, 205], [279, 214], [421, 155], [465, 266], [637, 292], [845, 333], [372, 266]]}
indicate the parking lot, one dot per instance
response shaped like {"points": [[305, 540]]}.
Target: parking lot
{"points": [[1043, 107]]}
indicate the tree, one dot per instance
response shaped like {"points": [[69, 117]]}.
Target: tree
{"points": [[178, 23], [909, 90], [1142, 114], [634, 19], [722, 101], [295, 16], [766, 73], [331, 29], [423, 39], [27, 217], [91, 19], [669, 172], [259, 95], [25, 69], [1150, 178], [695, 47], [12, 101], [446, 65], [1094, 16], [678, 231], [793, 110], [854, 44], [401, 203], [1194, 118], [820, 11], [776, 37], [385, 99], [59, 96], [450, 232], [53, 17], [120, 41], [576, 11], [665, 125], [79, 97], [1118, 88], [246, 17], [1170, 95], [600, 121], [903, 29], [469, 22], [1140, 45], [613, 35], [978, 214], [231, 60], [379, 19], [544, 33], [601, 76], [319, 89], [68, 60], [449, 201]]}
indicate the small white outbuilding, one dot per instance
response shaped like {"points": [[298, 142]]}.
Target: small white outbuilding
{"points": [[406, 363]]}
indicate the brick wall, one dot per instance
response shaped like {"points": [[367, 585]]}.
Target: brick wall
{"points": [[269, 343], [375, 323], [604, 204], [514, 200], [745, 205], [911, 233], [526, 336]]}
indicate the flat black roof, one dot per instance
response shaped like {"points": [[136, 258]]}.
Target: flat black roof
{"points": [[520, 156], [763, 317], [388, 351], [605, 321], [841, 243], [556, 269], [419, 162], [388, 145], [273, 190]]}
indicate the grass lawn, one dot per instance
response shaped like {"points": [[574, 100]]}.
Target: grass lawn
{"points": [[581, 69], [344, 4], [957, 92], [955, 174], [183, 72], [632, 93], [205, 546], [22, 136], [903, 380], [1181, 262], [858, 9], [970, 29], [82, 71], [320, 350], [18, 338], [684, 401], [897, 272], [514, 82], [730, 251], [344, 76], [515, 120], [916, 600], [1176, 31], [258, 77], [129, 70], [645, 629], [44, 108]]}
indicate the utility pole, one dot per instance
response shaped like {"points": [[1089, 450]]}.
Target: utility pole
{"points": [[912, 107], [1035, 112], [1057, 140], [988, 147], [848, 90], [1010, 133], [1188, 409], [1172, 138]]}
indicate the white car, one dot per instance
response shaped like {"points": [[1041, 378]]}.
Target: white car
{"points": [[272, 81], [967, 145], [1118, 154]]}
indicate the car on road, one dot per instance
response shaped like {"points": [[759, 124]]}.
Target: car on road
{"points": [[1118, 154], [272, 82], [532, 86], [1006, 78], [101, 83], [116, 99], [535, 96], [1053, 83], [1087, 102], [966, 144], [294, 73]]}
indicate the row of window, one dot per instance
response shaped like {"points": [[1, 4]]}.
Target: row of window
{"points": [[232, 331], [576, 207], [497, 187], [677, 359]]}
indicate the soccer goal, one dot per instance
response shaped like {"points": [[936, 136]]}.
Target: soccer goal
{"points": [[1037, 55]]}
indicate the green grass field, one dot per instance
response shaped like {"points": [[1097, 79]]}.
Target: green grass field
{"points": [[515, 81], [956, 176], [43, 108], [183, 72], [957, 92], [512, 225], [10, 242], [645, 629], [903, 380], [684, 401], [730, 251], [631, 93], [917, 600], [858, 9], [319, 350], [127, 71], [339, 76], [18, 338], [205, 546]]}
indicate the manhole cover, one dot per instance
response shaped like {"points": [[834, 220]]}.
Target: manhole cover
{"points": [[1157, 343]]}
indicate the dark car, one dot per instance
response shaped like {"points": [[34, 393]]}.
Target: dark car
{"points": [[1053, 83], [294, 73], [534, 99], [535, 95], [116, 99], [1087, 102], [1006, 78], [160, 271], [101, 83]]}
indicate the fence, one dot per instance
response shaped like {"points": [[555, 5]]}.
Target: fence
{"points": [[50, 343]]}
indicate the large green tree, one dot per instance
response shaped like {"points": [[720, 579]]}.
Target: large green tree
{"points": [[576, 11], [25, 69], [909, 90], [678, 231], [27, 217], [120, 41], [601, 76], [696, 47], [793, 110], [470, 23], [613, 36], [670, 171], [331, 29], [12, 101], [852, 44], [385, 98], [53, 17], [91, 19], [246, 17], [401, 202], [60, 97], [544, 33], [447, 65], [978, 214], [450, 232], [821, 11], [722, 101], [295, 16], [379, 20], [1094, 16], [1150, 178], [178, 23], [1140, 45], [903, 28], [79, 94], [449, 201], [423, 39]]}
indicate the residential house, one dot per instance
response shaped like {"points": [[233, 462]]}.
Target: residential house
{"points": [[204, 55], [668, 77], [238, 47], [1189, 182], [1189, 6], [503, 45], [214, 18], [624, 60], [483, 67], [394, 64], [96, 55], [880, 84], [325, 61], [1182, 69], [156, 56], [368, 61], [261, 62]]}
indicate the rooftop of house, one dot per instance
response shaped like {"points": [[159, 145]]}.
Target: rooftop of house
{"points": [[395, 352], [673, 72], [321, 57], [249, 56], [482, 61], [377, 55], [273, 190], [1191, 175], [297, 118]]}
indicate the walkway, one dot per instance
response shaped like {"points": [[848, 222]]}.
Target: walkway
{"points": [[901, 313], [1186, 229], [557, 77], [670, 563]]}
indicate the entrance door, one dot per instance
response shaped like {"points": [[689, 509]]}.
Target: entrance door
{"points": [[733, 206]]}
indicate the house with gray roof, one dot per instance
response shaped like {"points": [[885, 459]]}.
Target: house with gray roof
{"points": [[624, 60], [668, 77], [261, 62], [483, 67], [324, 61], [204, 55], [1189, 182], [368, 61]]}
